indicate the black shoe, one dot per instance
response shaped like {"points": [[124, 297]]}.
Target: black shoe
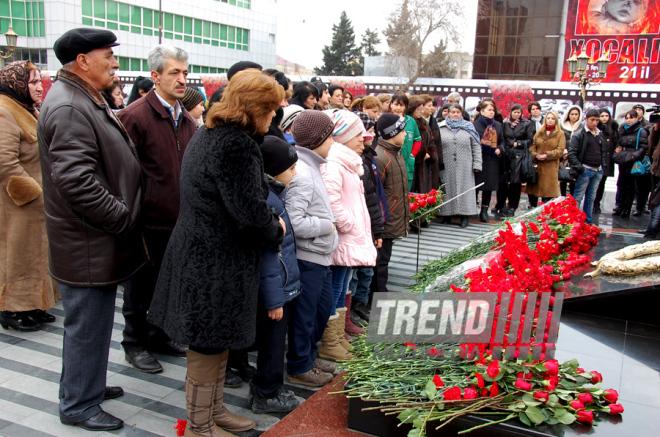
{"points": [[239, 363], [357, 320], [495, 210], [446, 220], [101, 421], [625, 214], [597, 209], [40, 316], [361, 309], [464, 222], [232, 380], [20, 321], [283, 402], [170, 348], [483, 216], [616, 211], [113, 392], [143, 361], [637, 213]]}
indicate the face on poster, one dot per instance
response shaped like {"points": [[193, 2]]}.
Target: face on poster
{"points": [[627, 31]]}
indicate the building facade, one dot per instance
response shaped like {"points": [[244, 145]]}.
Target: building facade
{"points": [[215, 33], [519, 39], [461, 62]]}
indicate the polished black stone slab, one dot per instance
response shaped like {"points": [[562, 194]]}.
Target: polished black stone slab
{"points": [[626, 353], [621, 297]]}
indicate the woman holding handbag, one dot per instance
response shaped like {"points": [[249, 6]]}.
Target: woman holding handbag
{"points": [[518, 137], [547, 149], [632, 147]]}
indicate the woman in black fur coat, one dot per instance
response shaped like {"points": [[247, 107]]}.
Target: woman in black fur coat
{"points": [[206, 294]]}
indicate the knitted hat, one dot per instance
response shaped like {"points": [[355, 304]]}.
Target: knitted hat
{"points": [[367, 120], [347, 126], [278, 155], [390, 125], [638, 106], [290, 114], [311, 128], [191, 98]]}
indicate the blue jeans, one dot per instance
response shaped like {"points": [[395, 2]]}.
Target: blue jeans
{"points": [[341, 276], [654, 224], [313, 308], [360, 283], [88, 317], [585, 187]]}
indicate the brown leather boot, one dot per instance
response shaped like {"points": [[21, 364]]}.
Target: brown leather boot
{"points": [[222, 417], [342, 335], [313, 378], [330, 348], [351, 328], [201, 384]]}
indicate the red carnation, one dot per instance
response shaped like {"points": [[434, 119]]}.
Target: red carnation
{"points": [[614, 409], [552, 366], [523, 385], [431, 200], [494, 390], [611, 396], [470, 393], [438, 381], [413, 207], [585, 416], [480, 380], [493, 369], [452, 394]]}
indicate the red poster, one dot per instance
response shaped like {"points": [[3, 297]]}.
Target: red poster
{"points": [[627, 31]]}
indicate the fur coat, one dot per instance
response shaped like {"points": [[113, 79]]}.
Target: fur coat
{"points": [[206, 295], [24, 280]]}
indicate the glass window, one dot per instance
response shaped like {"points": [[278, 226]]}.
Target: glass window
{"points": [[99, 8], [246, 37], [551, 45], [231, 36], [145, 65], [18, 11], [4, 9], [523, 46], [541, 7], [178, 23], [147, 16], [112, 10], [520, 67], [510, 46], [29, 28], [168, 35], [481, 45], [215, 30], [146, 31], [28, 10], [538, 26], [239, 36], [480, 63], [136, 15], [197, 25], [494, 65], [553, 26], [124, 13], [87, 21], [188, 25], [156, 19], [511, 26], [207, 29], [507, 64], [168, 21], [112, 25], [123, 63], [223, 32], [99, 23], [19, 26], [205, 69]]}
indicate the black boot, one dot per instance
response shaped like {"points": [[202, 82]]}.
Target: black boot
{"points": [[483, 216], [238, 362], [446, 220], [625, 213], [464, 221], [637, 213], [20, 321], [617, 211]]}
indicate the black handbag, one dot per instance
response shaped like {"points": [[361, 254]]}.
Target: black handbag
{"points": [[565, 175], [528, 168], [516, 157]]}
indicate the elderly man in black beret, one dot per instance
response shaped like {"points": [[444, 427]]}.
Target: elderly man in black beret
{"points": [[91, 184]]}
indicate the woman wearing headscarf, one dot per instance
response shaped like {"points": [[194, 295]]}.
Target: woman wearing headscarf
{"points": [[26, 289], [492, 149], [462, 154]]}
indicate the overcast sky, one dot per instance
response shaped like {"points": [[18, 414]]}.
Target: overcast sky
{"points": [[304, 27]]}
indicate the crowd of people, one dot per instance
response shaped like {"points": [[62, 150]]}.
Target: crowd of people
{"points": [[264, 222]]}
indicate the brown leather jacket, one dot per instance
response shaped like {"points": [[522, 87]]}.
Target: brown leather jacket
{"points": [[160, 147], [91, 182]]}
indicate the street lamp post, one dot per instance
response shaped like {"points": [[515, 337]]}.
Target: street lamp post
{"points": [[12, 39], [581, 76]]}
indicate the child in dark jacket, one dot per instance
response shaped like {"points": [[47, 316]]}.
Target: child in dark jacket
{"points": [[278, 287]]}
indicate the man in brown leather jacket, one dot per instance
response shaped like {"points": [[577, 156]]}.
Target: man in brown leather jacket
{"points": [[160, 128], [91, 183]]}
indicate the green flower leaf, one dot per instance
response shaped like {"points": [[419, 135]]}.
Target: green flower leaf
{"points": [[529, 400], [508, 398], [570, 365], [566, 418], [416, 432], [406, 414], [419, 422], [524, 419], [535, 415], [552, 421], [430, 390]]}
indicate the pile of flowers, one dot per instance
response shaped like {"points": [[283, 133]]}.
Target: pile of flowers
{"points": [[527, 258], [421, 205]]}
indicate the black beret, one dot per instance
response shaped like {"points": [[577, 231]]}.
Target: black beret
{"points": [[82, 40], [240, 66]]}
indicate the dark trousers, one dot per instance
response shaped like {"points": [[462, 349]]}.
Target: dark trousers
{"points": [[599, 192], [631, 186], [313, 308], [485, 198], [643, 185], [379, 280], [88, 318], [271, 344], [508, 191], [138, 292], [653, 227]]}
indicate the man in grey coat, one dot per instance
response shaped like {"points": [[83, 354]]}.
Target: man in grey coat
{"points": [[91, 183]]}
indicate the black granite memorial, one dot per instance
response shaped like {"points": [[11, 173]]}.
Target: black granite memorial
{"points": [[609, 324]]}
